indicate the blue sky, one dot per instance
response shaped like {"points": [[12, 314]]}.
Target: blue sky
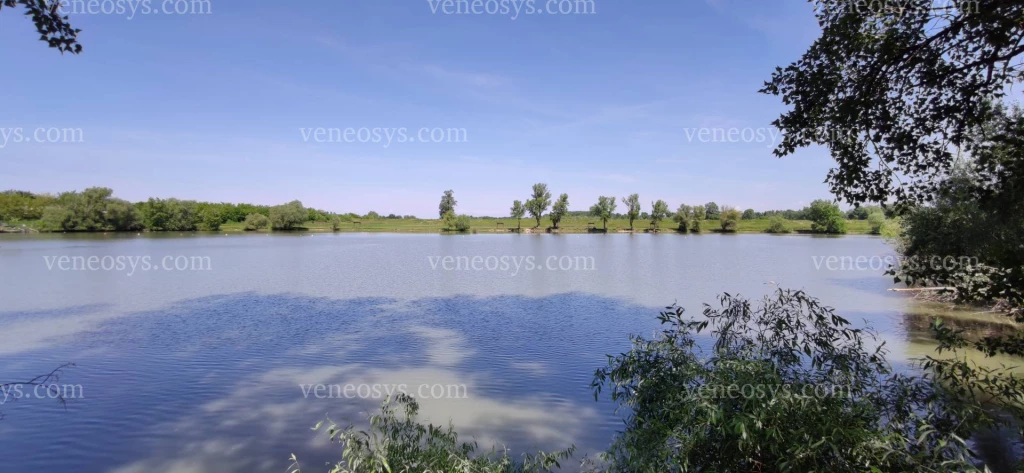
{"points": [[210, 107]]}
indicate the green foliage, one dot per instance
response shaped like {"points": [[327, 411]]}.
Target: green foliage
{"points": [[539, 201], [862, 212], [559, 210], [683, 216], [256, 221], [697, 216], [170, 215], [517, 212], [287, 216], [777, 224], [729, 219], [892, 92], [56, 218], [603, 209], [335, 223], [50, 23], [988, 231], [826, 217], [788, 386], [120, 215], [371, 215], [93, 209], [876, 219], [396, 442], [20, 205], [749, 214], [448, 220], [211, 219], [447, 204], [632, 204], [711, 211], [659, 212], [463, 223]]}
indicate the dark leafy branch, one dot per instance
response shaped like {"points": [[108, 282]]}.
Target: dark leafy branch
{"points": [[894, 94], [53, 27]]}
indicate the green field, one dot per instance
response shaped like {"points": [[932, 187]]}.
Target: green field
{"points": [[568, 225]]}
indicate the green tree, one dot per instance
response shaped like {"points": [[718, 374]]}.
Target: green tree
{"points": [[448, 220], [56, 218], [632, 204], [729, 219], [256, 221], [211, 219], [711, 211], [603, 209], [50, 23], [559, 210], [539, 201], [447, 204], [826, 217], [120, 215], [682, 216], [517, 212], [698, 213], [749, 214], [876, 219], [463, 223], [659, 212], [777, 224], [893, 93], [335, 222], [287, 216]]}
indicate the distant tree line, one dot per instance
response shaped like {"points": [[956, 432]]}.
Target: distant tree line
{"points": [[96, 209]]}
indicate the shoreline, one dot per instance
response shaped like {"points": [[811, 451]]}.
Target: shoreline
{"points": [[479, 226]]}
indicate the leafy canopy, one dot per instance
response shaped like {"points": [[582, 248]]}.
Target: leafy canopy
{"points": [[894, 92]]}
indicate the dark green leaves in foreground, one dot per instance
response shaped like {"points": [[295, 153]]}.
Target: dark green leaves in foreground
{"points": [[54, 28], [787, 385], [894, 88], [396, 442]]}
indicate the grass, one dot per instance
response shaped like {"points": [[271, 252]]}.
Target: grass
{"points": [[568, 225]]}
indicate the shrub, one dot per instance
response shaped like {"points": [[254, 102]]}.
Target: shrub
{"points": [[744, 404], [256, 221], [288, 216], [826, 217], [463, 223], [682, 216], [397, 442], [730, 218], [778, 224], [211, 219], [875, 220], [697, 214]]}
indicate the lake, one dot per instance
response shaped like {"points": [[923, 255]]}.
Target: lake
{"points": [[207, 359]]}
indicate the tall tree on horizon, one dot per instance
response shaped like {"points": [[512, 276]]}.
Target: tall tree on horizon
{"points": [[517, 211], [603, 209], [539, 201], [632, 204], [559, 210], [447, 204]]}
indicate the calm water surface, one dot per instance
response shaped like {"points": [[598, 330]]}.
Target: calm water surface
{"points": [[200, 371]]}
